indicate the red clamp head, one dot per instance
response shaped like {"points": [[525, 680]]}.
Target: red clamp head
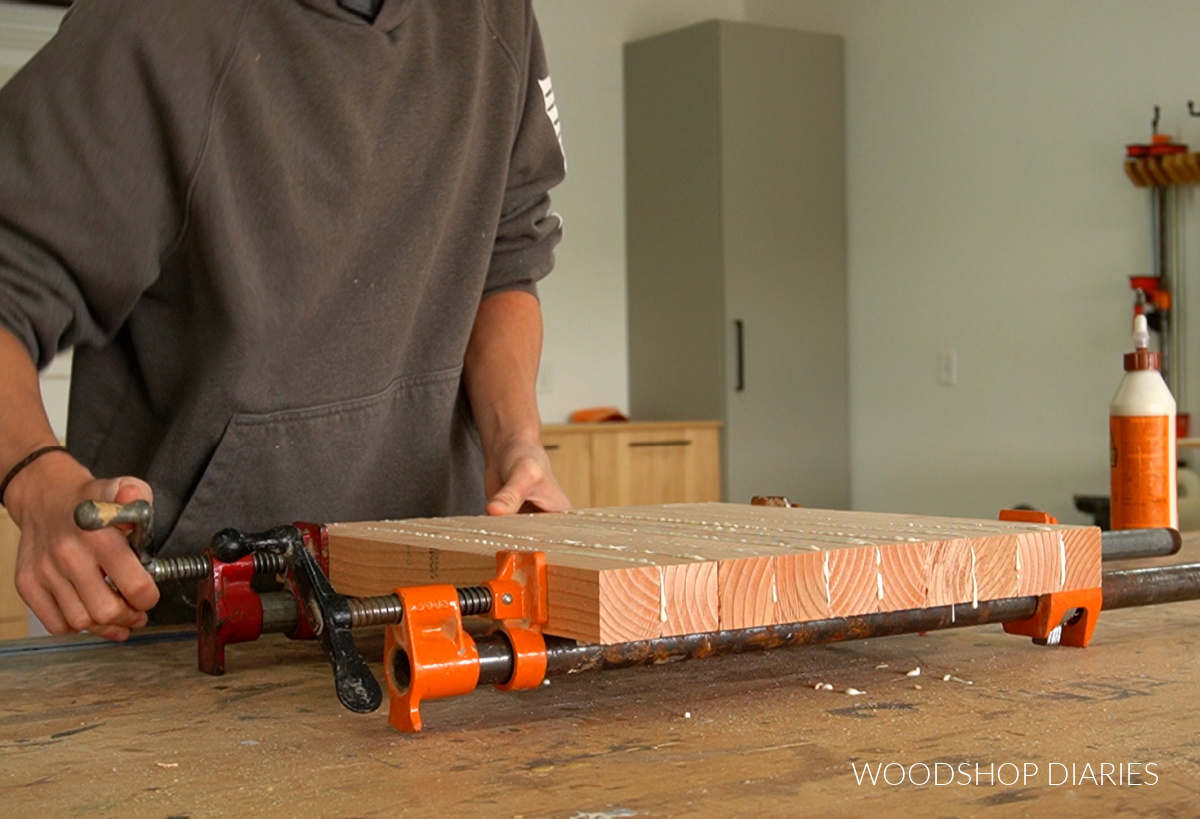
{"points": [[316, 540], [228, 610]]}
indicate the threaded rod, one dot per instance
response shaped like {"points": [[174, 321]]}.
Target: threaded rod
{"points": [[184, 567], [374, 611]]}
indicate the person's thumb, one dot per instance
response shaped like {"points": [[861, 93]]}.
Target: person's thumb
{"points": [[516, 491], [126, 490]]}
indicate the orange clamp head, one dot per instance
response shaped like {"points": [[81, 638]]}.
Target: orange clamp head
{"points": [[520, 605], [1026, 516], [519, 590], [529, 659], [428, 654], [1052, 611]]}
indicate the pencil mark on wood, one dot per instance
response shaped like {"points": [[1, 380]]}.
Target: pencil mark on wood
{"points": [[73, 731]]}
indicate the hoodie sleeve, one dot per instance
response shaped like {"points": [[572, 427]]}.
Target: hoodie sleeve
{"points": [[528, 231], [94, 157]]}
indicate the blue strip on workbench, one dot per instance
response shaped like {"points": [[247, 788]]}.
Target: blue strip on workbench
{"points": [[40, 645]]}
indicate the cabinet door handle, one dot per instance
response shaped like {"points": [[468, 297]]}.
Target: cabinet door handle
{"points": [[681, 442], [741, 355], [550, 447]]}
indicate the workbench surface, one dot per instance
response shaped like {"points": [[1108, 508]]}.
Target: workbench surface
{"points": [[134, 730]]}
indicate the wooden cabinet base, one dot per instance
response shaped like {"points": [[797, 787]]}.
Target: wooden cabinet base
{"points": [[631, 464], [14, 618]]}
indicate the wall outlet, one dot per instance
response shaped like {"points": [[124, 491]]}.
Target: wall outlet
{"points": [[947, 368]]}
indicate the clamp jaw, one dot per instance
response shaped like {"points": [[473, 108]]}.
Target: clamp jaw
{"points": [[229, 607], [429, 654], [1062, 618], [230, 610]]}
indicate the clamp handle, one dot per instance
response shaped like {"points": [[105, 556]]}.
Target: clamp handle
{"points": [[329, 614], [93, 515]]}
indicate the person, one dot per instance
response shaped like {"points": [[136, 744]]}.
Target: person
{"points": [[294, 246]]}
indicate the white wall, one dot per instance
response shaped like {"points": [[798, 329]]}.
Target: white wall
{"points": [[989, 214]]}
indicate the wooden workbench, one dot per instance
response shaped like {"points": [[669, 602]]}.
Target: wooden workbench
{"points": [[89, 730]]}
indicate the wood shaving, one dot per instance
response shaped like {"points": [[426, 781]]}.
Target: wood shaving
{"points": [[854, 692], [167, 764], [916, 672]]}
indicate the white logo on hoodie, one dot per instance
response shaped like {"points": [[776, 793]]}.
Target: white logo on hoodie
{"points": [[552, 113]]}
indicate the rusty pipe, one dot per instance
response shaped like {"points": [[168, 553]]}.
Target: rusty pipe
{"points": [[1122, 589]]}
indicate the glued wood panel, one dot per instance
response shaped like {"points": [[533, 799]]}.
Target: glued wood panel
{"points": [[634, 573]]}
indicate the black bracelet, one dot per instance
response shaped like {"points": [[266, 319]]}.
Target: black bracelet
{"points": [[30, 458]]}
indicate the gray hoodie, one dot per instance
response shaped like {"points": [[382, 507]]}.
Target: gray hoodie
{"points": [[265, 227]]}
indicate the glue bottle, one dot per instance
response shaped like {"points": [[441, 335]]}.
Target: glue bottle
{"points": [[1142, 442]]}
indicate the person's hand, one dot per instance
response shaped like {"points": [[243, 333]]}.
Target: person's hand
{"points": [[519, 479], [63, 572]]}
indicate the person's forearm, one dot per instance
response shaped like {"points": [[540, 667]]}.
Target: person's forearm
{"points": [[500, 374], [72, 580], [24, 426], [501, 366]]}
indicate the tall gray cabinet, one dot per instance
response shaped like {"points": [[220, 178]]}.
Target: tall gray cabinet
{"points": [[736, 231]]}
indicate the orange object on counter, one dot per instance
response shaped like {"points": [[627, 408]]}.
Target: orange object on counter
{"points": [[592, 415]]}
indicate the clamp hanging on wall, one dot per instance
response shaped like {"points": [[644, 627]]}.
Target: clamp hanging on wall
{"points": [[1162, 162], [1164, 166]]}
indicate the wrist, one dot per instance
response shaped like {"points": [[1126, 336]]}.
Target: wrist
{"points": [[508, 436], [56, 467]]}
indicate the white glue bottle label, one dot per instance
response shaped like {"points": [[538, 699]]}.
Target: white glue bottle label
{"points": [[1142, 442]]}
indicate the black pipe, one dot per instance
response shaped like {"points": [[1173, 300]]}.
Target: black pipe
{"points": [[1147, 587], [1127, 544]]}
